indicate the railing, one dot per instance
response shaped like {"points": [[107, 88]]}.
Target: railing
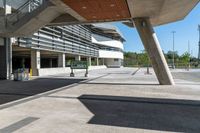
{"points": [[24, 9]]}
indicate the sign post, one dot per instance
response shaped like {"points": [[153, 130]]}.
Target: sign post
{"points": [[79, 65]]}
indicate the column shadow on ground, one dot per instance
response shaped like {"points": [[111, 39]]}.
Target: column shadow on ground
{"points": [[144, 113], [12, 90], [107, 83]]}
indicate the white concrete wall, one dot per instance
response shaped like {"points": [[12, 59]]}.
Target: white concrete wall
{"points": [[67, 70], [110, 54], [107, 41], [53, 71], [112, 63]]}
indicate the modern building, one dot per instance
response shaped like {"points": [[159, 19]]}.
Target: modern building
{"points": [[110, 42], [24, 17], [50, 50]]}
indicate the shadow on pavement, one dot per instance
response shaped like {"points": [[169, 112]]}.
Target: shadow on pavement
{"points": [[144, 113], [188, 76], [143, 84], [12, 90]]}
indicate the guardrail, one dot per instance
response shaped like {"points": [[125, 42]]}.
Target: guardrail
{"points": [[24, 9]]}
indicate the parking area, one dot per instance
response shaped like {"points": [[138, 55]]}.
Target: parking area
{"points": [[109, 100]]}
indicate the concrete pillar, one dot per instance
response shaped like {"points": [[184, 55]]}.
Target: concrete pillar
{"points": [[35, 62], [97, 61], [61, 60], [5, 58], [78, 58], [89, 60], [152, 46], [8, 42], [50, 63], [23, 63]]}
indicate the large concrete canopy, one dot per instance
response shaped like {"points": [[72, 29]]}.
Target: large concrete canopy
{"points": [[159, 11], [143, 15]]}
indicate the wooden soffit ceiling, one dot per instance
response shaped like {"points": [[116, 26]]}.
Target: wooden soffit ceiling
{"points": [[97, 10]]}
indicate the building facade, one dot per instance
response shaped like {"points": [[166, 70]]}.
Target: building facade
{"points": [[50, 50], [110, 43]]}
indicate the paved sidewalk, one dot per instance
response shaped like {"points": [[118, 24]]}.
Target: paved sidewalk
{"points": [[109, 101]]}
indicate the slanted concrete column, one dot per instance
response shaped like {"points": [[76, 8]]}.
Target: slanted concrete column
{"points": [[78, 58], [5, 58], [61, 60], [152, 46], [89, 60], [35, 62]]}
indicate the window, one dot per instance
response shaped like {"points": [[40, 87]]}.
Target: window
{"points": [[116, 60]]}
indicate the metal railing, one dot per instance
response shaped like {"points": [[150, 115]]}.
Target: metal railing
{"points": [[28, 7]]}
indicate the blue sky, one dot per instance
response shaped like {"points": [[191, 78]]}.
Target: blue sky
{"points": [[186, 30]]}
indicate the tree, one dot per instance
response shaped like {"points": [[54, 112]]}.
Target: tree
{"points": [[185, 59], [169, 56], [143, 60], [194, 61], [130, 59]]}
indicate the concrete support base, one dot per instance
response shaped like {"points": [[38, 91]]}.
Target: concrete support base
{"points": [[152, 46], [35, 62], [5, 58], [61, 60]]}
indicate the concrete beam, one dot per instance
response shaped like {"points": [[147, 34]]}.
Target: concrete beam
{"points": [[66, 9], [64, 18], [152, 46]]}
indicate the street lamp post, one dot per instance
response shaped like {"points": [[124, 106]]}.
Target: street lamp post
{"points": [[189, 55], [199, 46], [173, 60]]}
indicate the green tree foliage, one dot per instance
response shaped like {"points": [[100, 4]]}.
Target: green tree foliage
{"points": [[141, 59], [169, 56], [130, 59], [136, 59], [185, 58], [194, 61]]}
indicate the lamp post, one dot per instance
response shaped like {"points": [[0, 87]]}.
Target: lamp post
{"points": [[189, 55], [199, 46], [173, 56]]}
